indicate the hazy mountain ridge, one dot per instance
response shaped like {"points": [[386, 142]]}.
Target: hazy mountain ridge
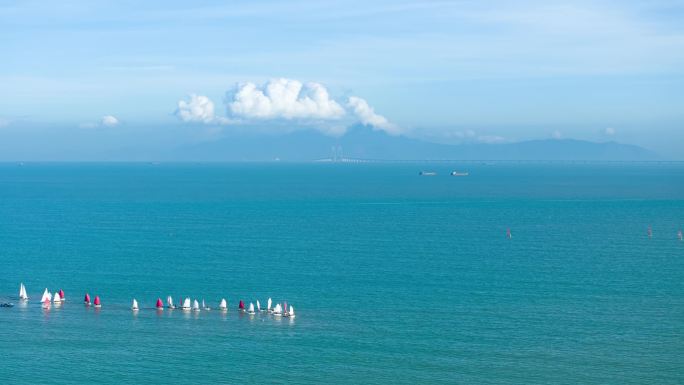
{"points": [[364, 143]]}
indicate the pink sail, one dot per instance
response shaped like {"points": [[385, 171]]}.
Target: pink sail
{"points": [[508, 233], [242, 305], [61, 294], [160, 304], [97, 300], [87, 298], [285, 307]]}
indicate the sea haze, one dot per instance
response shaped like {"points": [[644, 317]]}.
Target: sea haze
{"points": [[396, 277]]}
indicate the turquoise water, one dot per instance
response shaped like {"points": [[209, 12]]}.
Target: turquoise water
{"points": [[396, 278]]}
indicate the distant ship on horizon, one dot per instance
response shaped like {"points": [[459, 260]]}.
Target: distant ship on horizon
{"points": [[457, 173]]}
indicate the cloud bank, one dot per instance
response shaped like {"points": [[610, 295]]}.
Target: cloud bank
{"points": [[308, 104]]}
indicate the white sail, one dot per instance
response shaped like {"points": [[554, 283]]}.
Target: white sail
{"points": [[258, 306], [278, 309], [292, 314], [195, 305], [251, 307], [268, 304], [22, 292], [56, 298], [135, 304], [46, 296], [186, 303], [223, 305], [169, 302]]}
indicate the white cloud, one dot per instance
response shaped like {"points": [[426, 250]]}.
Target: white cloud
{"points": [[199, 109], [309, 104], [367, 116], [105, 121], [610, 131], [284, 99], [109, 121]]}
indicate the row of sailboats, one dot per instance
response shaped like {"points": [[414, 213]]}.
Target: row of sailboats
{"points": [[188, 305], [185, 304]]}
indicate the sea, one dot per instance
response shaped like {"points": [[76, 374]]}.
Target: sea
{"points": [[396, 278]]}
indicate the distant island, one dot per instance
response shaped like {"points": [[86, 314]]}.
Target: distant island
{"points": [[363, 143]]}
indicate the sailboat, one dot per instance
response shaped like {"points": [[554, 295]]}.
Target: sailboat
{"points": [[258, 306], [680, 235], [268, 305], [195, 306], [97, 302], [160, 304], [24, 297], [292, 313], [251, 308], [241, 306], [45, 299], [86, 300], [186, 304], [277, 310], [56, 298], [285, 307], [169, 302], [204, 306], [508, 234], [223, 306], [134, 306], [61, 295]]}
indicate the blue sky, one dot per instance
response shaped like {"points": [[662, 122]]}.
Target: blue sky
{"points": [[77, 74]]}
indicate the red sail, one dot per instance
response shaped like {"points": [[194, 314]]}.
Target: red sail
{"points": [[160, 304], [87, 298], [61, 294], [97, 300], [242, 305]]}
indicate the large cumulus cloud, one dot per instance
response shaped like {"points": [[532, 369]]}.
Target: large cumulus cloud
{"points": [[309, 104], [284, 99]]}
